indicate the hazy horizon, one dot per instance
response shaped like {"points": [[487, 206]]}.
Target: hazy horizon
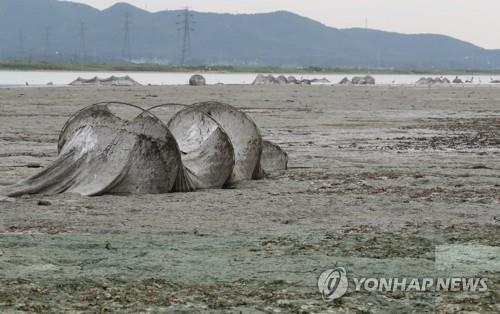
{"points": [[463, 19]]}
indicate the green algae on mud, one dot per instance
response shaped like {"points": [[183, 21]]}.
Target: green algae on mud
{"points": [[196, 273]]}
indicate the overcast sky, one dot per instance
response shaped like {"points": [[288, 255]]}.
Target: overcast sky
{"points": [[476, 21]]}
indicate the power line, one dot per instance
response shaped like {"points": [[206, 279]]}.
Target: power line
{"points": [[126, 49], [186, 22]]}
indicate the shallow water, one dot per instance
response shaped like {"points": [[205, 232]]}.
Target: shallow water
{"points": [[23, 78]]}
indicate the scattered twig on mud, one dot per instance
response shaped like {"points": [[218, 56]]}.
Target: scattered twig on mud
{"points": [[284, 271], [6, 183], [23, 166], [496, 219]]}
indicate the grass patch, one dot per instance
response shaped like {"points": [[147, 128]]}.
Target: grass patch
{"points": [[49, 66]]}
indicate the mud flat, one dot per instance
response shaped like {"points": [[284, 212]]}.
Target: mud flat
{"points": [[386, 181]]}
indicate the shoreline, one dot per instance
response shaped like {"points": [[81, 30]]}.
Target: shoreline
{"points": [[218, 69], [381, 85]]}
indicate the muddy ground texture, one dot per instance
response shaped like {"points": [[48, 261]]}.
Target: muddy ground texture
{"points": [[387, 181]]}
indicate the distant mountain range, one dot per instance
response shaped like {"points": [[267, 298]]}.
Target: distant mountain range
{"points": [[64, 31]]}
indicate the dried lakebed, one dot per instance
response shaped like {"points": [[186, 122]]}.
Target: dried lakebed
{"points": [[387, 181]]}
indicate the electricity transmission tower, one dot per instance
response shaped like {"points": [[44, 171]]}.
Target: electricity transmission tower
{"points": [[47, 41], [126, 50], [21, 41], [83, 45], [186, 27], [21, 45]]}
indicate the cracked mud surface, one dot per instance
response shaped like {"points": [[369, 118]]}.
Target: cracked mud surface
{"points": [[383, 180]]}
